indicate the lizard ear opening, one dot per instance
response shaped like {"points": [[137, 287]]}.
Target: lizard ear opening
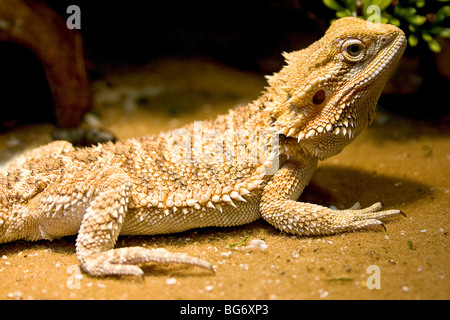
{"points": [[319, 97]]}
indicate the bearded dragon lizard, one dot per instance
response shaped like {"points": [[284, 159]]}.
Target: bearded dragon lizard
{"points": [[253, 162]]}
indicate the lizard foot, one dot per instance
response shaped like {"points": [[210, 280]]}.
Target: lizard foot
{"points": [[122, 261], [310, 219], [370, 218]]}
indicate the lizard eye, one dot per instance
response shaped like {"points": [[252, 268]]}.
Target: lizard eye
{"points": [[353, 50]]}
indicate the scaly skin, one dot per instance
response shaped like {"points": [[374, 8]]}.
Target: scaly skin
{"points": [[253, 162]]}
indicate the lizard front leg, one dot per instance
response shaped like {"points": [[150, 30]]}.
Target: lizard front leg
{"points": [[100, 229], [279, 208]]}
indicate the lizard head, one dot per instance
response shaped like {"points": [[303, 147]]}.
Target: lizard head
{"points": [[327, 93]]}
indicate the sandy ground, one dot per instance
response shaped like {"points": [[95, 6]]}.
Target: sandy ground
{"points": [[403, 163]]}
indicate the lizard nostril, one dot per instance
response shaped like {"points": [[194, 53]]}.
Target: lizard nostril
{"points": [[319, 97]]}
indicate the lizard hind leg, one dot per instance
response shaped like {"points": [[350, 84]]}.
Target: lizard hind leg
{"points": [[100, 229]]}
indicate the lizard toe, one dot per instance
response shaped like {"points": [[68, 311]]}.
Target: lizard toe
{"points": [[368, 224]]}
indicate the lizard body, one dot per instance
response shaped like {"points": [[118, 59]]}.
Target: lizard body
{"points": [[253, 162]]}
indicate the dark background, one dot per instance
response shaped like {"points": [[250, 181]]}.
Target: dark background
{"points": [[244, 34], [249, 35]]}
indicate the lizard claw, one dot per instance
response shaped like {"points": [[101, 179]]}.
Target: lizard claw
{"points": [[371, 218], [356, 206]]}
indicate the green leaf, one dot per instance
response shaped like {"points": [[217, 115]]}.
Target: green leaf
{"points": [[413, 40], [332, 4], [420, 3], [384, 19], [427, 37], [434, 46], [444, 33], [438, 18], [344, 13], [445, 10], [394, 21], [383, 4], [405, 12], [351, 5], [231, 245], [417, 20]]}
